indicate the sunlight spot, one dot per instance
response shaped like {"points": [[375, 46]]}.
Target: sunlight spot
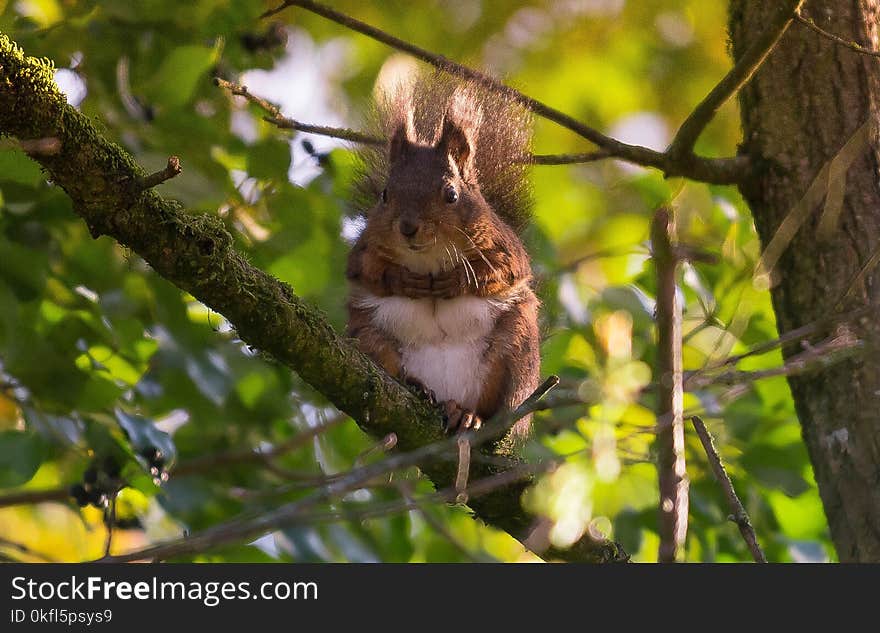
{"points": [[72, 85]]}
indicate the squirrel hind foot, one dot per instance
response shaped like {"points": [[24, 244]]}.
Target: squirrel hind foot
{"points": [[460, 419]]}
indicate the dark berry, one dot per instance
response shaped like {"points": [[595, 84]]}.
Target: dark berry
{"points": [[91, 475], [78, 492], [97, 498]]}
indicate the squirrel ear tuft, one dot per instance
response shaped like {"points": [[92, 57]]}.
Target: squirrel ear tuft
{"points": [[456, 142]]}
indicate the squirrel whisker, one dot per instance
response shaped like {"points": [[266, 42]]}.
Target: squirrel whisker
{"points": [[478, 250], [449, 255], [467, 265], [462, 261]]}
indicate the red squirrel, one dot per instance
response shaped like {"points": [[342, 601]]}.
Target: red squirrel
{"points": [[440, 281]]}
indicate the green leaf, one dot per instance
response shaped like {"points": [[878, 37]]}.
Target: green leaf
{"points": [[144, 436], [179, 75], [15, 166], [24, 269], [269, 159], [801, 517], [21, 454]]}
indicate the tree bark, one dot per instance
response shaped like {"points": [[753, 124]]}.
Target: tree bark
{"points": [[811, 98]]}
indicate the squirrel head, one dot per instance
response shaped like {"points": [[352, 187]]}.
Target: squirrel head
{"points": [[450, 173], [431, 203]]}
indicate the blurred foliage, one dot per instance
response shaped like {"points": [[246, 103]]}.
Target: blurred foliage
{"points": [[108, 373]]}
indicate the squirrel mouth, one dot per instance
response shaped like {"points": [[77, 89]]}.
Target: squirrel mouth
{"points": [[418, 248]]}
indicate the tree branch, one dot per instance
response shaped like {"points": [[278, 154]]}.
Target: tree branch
{"points": [[296, 512], [188, 467], [670, 393], [687, 135], [809, 22], [171, 170], [842, 345], [568, 159], [252, 455], [711, 170], [738, 512], [274, 116], [195, 252], [28, 497], [291, 513]]}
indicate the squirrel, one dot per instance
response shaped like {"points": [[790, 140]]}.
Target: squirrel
{"points": [[440, 281]]}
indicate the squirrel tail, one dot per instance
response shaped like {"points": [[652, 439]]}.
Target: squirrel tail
{"points": [[501, 129]]}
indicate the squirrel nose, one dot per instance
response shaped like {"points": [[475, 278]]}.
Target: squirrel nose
{"points": [[408, 228]]}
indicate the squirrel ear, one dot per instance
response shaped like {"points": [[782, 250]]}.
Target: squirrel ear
{"points": [[398, 143], [401, 138], [456, 142]]}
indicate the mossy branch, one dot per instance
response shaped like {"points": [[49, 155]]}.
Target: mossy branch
{"points": [[195, 252]]}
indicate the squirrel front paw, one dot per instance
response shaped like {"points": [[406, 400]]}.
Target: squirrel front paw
{"points": [[448, 284], [419, 387], [400, 281], [459, 419]]}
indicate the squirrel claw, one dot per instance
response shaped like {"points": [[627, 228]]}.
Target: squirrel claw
{"points": [[419, 387], [459, 419]]}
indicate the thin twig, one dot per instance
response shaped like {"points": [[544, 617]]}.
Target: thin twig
{"points": [[157, 178], [844, 344], [406, 492], [382, 446], [809, 329], [863, 272], [464, 468], [192, 466], [275, 117], [240, 529], [686, 137], [819, 188], [670, 438], [806, 21], [738, 512], [570, 159], [28, 497], [712, 170], [110, 521], [295, 513], [250, 455]]}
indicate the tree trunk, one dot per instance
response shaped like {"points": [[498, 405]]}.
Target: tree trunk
{"points": [[811, 98]]}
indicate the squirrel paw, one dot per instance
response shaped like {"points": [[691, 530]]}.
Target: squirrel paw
{"points": [[419, 387], [400, 281], [459, 419], [446, 285]]}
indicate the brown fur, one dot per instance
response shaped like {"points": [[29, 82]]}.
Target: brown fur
{"points": [[421, 240]]}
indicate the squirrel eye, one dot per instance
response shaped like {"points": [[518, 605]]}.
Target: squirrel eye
{"points": [[384, 195], [450, 194]]}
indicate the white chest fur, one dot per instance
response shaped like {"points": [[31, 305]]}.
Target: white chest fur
{"points": [[443, 342]]}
